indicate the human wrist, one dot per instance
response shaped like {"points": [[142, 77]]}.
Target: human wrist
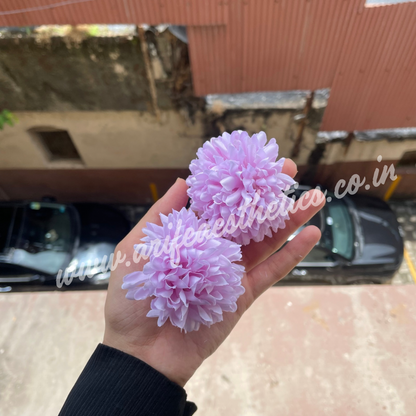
{"points": [[120, 380], [173, 369]]}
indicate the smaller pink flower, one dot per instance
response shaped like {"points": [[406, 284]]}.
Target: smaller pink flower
{"points": [[192, 280]]}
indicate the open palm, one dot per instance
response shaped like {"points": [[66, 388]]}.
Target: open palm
{"points": [[177, 354]]}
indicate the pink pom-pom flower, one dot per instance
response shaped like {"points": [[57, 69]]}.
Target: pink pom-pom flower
{"points": [[191, 274], [234, 171]]}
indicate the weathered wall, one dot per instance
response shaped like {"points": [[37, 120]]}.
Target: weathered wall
{"points": [[107, 140], [360, 151], [360, 158], [121, 139], [160, 151], [59, 75], [124, 151], [96, 89], [279, 124], [40, 72]]}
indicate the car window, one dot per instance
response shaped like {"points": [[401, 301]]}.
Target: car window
{"points": [[316, 256], [46, 228], [338, 220], [336, 226], [46, 238]]}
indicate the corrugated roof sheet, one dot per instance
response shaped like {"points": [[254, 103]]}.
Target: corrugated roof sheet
{"points": [[375, 84], [364, 54], [272, 45], [55, 12]]}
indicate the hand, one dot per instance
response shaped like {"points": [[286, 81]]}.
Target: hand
{"points": [[173, 353]]}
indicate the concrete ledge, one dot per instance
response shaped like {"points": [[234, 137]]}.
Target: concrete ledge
{"points": [[298, 351]]}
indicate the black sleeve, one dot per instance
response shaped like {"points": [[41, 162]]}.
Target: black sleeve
{"points": [[117, 384]]}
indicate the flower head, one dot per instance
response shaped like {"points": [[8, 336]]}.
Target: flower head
{"points": [[236, 178], [191, 275]]}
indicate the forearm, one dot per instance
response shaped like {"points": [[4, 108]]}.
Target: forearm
{"points": [[115, 383]]}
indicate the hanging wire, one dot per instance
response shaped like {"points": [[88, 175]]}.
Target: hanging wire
{"points": [[38, 8]]}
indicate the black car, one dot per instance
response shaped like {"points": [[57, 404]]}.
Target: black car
{"points": [[38, 239], [361, 242]]}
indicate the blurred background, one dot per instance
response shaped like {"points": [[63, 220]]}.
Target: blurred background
{"points": [[104, 103]]}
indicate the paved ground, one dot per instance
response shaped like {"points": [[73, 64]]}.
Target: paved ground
{"points": [[406, 216], [313, 351]]}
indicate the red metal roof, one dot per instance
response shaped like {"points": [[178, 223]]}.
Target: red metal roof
{"points": [[44, 12], [365, 54], [375, 83], [272, 45]]}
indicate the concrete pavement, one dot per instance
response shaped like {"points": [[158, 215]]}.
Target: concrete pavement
{"points": [[298, 351]]}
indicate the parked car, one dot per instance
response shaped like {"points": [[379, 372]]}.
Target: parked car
{"points": [[37, 239], [361, 242]]}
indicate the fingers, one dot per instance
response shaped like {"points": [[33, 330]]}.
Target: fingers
{"points": [[280, 264], [305, 208], [175, 198], [290, 168]]}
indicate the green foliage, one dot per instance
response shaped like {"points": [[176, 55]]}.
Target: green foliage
{"points": [[7, 117], [93, 30]]}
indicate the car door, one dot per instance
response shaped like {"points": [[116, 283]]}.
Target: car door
{"points": [[319, 266]]}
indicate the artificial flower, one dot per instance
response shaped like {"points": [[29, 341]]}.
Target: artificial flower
{"points": [[191, 275], [237, 179]]}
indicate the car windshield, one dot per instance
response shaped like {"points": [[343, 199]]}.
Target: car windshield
{"points": [[336, 225], [39, 236], [338, 231]]}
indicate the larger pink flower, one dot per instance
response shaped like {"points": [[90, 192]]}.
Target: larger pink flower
{"points": [[233, 171], [191, 275]]}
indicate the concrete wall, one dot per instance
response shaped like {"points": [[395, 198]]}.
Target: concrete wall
{"points": [[109, 140], [77, 72], [340, 161], [279, 124], [366, 151], [134, 139], [124, 151]]}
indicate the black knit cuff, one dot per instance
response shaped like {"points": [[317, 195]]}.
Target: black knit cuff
{"points": [[114, 383]]}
